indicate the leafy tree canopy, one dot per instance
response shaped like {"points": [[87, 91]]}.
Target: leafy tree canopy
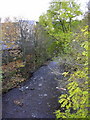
{"points": [[60, 15], [59, 21]]}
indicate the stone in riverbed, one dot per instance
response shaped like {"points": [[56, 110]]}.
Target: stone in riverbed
{"points": [[45, 95]]}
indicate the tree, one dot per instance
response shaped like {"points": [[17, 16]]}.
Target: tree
{"points": [[59, 21], [9, 32], [26, 36], [9, 38], [60, 15]]}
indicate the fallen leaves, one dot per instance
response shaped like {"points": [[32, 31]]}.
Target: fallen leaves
{"points": [[18, 102], [12, 66], [11, 83]]}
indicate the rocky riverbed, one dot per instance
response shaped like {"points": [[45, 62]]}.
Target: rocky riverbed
{"points": [[38, 96]]}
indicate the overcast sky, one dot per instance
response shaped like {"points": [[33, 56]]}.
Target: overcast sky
{"points": [[29, 9]]}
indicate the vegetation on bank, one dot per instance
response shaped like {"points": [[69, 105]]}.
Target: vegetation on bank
{"points": [[70, 42], [24, 50]]}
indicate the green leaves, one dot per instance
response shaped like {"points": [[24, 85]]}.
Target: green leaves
{"points": [[58, 22], [77, 97]]}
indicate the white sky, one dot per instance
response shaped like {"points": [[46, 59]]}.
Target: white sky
{"points": [[29, 9]]}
